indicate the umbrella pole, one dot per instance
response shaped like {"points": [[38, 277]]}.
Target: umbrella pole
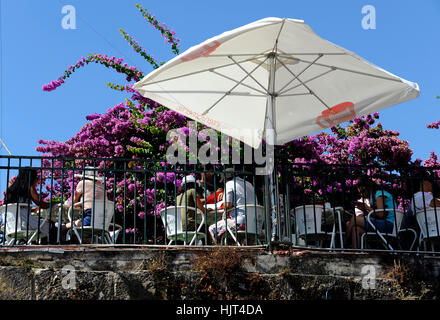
{"points": [[271, 137]]}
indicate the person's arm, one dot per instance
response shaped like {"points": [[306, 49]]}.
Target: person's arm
{"points": [[379, 207], [436, 201], [229, 199], [78, 194], [11, 181], [200, 204], [36, 198], [365, 208]]}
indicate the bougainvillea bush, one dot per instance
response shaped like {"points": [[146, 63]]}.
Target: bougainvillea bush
{"points": [[136, 131]]}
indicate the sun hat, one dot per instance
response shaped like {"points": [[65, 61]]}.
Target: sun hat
{"points": [[188, 179], [89, 173]]}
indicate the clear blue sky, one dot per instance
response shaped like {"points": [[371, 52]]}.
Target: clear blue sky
{"points": [[36, 50]]}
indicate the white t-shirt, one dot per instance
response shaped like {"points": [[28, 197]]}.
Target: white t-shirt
{"points": [[418, 201], [359, 212], [235, 193]]}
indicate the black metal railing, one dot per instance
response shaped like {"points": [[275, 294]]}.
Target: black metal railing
{"points": [[143, 201]]}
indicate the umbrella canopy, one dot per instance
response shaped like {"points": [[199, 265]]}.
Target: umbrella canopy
{"points": [[272, 73]]}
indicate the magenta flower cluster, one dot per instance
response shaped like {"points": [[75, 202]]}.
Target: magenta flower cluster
{"points": [[434, 125]]}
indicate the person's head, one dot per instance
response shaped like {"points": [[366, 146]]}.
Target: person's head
{"points": [[207, 177], [89, 174], [420, 181], [365, 187], [188, 183], [26, 178], [212, 178], [425, 184], [229, 175]]}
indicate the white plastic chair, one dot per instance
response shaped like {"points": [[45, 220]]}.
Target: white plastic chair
{"points": [[308, 220], [385, 237], [18, 217], [102, 215], [172, 220], [429, 223], [253, 226], [114, 234]]}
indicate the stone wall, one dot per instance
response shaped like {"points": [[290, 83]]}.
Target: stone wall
{"points": [[157, 272]]}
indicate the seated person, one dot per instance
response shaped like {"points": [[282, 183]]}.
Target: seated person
{"points": [[24, 190], [424, 198], [238, 192], [90, 188], [189, 195], [383, 221], [214, 197]]}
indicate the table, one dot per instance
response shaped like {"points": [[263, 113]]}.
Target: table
{"points": [[58, 211], [217, 205]]}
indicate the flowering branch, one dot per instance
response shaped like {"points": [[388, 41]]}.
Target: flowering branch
{"points": [[156, 64], [112, 62], [168, 35], [117, 87]]}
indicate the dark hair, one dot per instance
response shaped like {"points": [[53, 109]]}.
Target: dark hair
{"points": [[21, 187]]}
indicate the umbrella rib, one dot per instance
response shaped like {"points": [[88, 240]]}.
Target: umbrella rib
{"points": [[227, 93], [208, 92], [281, 90], [353, 71], [243, 84], [275, 46], [204, 70], [282, 94], [311, 91], [250, 74], [312, 54], [233, 55], [279, 54], [295, 94]]}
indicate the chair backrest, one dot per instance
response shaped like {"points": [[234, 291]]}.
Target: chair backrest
{"points": [[308, 219], [254, 218], [102, 213], [17, 215], [398, 218], [172, 219], [429, 222]]}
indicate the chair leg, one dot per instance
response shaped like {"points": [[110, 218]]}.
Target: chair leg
{"points": [[233, 237], [363, 241], [77, 235], [414, 241]]}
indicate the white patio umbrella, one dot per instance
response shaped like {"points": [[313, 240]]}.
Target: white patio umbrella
{"points": [[272, 75]]}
